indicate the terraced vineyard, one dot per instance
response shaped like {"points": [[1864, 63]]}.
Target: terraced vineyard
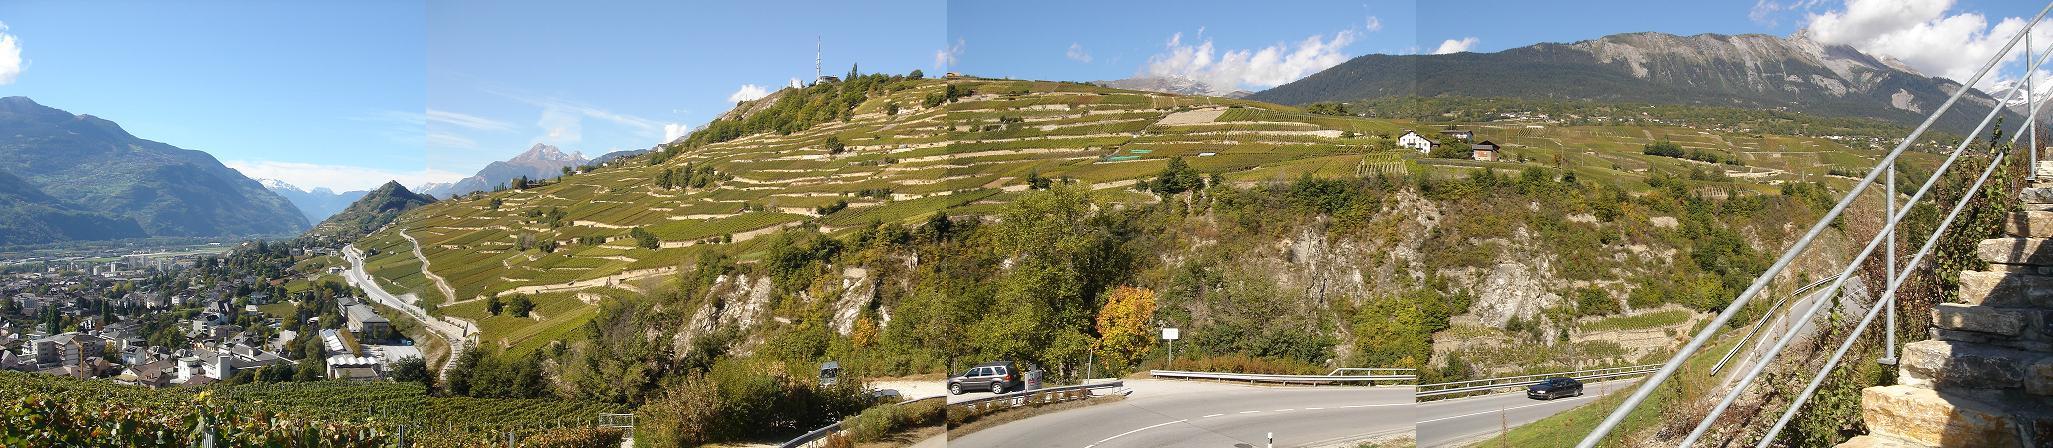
{"points": [[569, 243]]}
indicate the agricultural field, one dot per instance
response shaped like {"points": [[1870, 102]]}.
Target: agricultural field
{"points": [[898, 160]]}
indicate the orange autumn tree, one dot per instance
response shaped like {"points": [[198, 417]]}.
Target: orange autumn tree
{"points": [[1124, 335]]}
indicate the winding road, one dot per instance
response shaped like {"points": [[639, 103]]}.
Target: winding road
{"points": [[448, 293], [1188, 413], [455, 333], [1464, 421]]}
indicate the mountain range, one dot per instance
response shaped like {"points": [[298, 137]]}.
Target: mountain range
{"points": [[540, 161], [318, 203], [1749, 71], [371, 211], [1173, 84], [87, 164]]}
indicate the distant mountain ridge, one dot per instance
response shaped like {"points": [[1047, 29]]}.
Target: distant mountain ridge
{"points": [[373, 210], [1749, 71], [540, 161], [1176, 85], [90, 164], [29, 216], [318, 203]]}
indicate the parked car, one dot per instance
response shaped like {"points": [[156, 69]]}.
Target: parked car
{"points": [[1553, 388], [998, 377]]}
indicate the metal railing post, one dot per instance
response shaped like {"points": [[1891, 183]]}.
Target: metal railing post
{"points": [[1889, 224], [2032, 111], [1812, 388], [1889, 301]]}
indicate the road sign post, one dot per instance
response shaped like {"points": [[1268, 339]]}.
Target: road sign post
{"points": [[1170, 334]]}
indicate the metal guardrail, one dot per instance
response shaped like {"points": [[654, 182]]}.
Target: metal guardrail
{"points": [[1763, 323], [1334, 377], [1895, 216], [819, 435], [1459, 387], [1038, 396]]}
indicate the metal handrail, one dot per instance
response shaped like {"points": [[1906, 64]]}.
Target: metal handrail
{"points": [[1284, 379], [1888, 232], [1894, 283], [1886, 164]]}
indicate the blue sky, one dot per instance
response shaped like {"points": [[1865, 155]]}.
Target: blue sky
{"points": [[606, 76], [350, 94], [270, 86], [1096, 40]]}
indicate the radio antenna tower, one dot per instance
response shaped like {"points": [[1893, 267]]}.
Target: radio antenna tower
{"points": [[816, 58]]}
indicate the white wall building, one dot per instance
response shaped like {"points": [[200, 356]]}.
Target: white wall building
{"points": [[1415, 141]]}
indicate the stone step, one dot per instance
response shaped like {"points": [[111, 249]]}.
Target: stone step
{"points": [[1931, 418], [2024, 251], [1879, 442], [2012, 289], [1965, 365], [2036, 195], [2029, 224], [2004, 321]]}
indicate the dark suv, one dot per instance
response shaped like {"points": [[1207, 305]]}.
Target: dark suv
{"points": [[997, 377], [1553, 388]]}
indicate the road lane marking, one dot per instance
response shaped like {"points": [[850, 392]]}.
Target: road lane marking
{"points": [[1213, 415], [1124, 434], [1249, 412], [1315, 409], [1283, 410], [1543, 403]]}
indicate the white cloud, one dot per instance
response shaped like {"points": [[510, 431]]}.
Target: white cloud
{"points": [[449, 140], [1769, 12], [674, 131], [11, 64], [1375, 24], [336, 177], [560, 126], [1925, 35], [562, 120], [748, 92], [945, 58], [467, 121], [1076, 53], [1455, 46], [1257, 68]]}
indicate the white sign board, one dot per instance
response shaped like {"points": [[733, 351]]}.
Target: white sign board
{"points": [[1169, 334]]}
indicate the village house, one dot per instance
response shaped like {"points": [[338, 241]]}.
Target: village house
{"points": [[1413, 140], [1485, 151]]}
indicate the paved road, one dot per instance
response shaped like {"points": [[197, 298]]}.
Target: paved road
{"points": [[452, 332], [448, 293], [1462, 421], [1184, 413]]}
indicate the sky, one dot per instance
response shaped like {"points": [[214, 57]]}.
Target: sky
{"points": [[346, 95], [271, 88], [598, 77], [1257, 45]]}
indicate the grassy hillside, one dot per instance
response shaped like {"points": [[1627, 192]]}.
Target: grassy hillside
{"points": [[908, 149]]}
